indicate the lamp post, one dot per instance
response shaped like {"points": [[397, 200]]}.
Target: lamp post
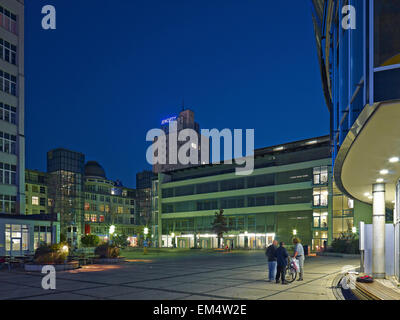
{"points": [[111, 232], [173, 239], [145, 232]]}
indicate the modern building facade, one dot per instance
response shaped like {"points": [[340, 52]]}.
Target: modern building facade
{"points": [[143, 193], [108, 203], [359, 54], [12, 102], [102, 202], [21, 229], [66, 171], [289, 193]]}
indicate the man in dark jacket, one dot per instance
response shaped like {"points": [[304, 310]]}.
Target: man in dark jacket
{"points": [[270, 253], [282, 261]]}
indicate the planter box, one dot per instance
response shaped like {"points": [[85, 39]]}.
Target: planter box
{"points": [[109, 260], [32, 267]]}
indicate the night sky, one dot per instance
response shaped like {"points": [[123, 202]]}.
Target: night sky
{"points": [[114, 69]]}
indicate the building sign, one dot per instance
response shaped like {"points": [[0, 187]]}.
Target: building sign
{"points": [[168, 120]]}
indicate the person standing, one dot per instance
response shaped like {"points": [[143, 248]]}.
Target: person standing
{"points": [[282, 261], [270, 253], [299, 255]]}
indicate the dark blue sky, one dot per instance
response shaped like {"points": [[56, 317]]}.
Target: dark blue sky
{"points": [[113, 69]]}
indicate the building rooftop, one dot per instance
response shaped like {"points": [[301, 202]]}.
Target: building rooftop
{"points": [[94, 169]]}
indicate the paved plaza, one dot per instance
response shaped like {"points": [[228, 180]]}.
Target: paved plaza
{"points": [[195, 277]]}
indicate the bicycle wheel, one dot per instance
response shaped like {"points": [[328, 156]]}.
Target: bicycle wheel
{"points": [[290, 274]]}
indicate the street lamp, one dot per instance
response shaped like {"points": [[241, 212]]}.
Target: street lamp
{"points": [[111, 231], [173, 239], [145, 232], [294, 232]]}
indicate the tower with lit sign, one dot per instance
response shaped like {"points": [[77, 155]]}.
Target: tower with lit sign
{"points": [[185, 120]]}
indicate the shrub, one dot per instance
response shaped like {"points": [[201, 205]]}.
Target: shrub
{"points": [[345, 244], [51, 254], [120, 240], [106, 251], [90, 240]]}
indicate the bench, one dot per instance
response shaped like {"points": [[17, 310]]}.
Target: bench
{"points": [[375, 291]]}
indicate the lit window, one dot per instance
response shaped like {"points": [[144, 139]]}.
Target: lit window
{"points": [[320, 197], [35, 201], [320, 175]]}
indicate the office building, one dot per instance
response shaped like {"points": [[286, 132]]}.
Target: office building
{"points": [[66, 170], [359, 54], [12, 102], [290, 193], [107, 203], [19, 234]]}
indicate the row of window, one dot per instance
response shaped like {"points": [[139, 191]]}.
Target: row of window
{"points": [[8, 52], [34, 211], [8, 173], [8, 113], [94, 218], [8, 20], [107, 190], [94, 197], [8, 83], [268, 199], [36, 189], [320, 177], [8, 143], [106, 208]]}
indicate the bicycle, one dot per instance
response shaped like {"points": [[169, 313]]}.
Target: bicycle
{"points": [[291, 271]]}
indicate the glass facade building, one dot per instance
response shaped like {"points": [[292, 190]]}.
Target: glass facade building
{"points": [[361, 65], [359, 54]]}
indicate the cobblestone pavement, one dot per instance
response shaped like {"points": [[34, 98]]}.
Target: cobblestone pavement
{"points": [[214, 276]]}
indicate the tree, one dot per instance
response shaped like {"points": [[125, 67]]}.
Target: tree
{"points": [[120, 240], [219, 225], [90, 240]]}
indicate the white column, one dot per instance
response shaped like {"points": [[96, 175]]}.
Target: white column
{"points": [[378, 230]]}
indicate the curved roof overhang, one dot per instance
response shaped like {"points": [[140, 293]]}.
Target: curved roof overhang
{"points": [[371, 142]]}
